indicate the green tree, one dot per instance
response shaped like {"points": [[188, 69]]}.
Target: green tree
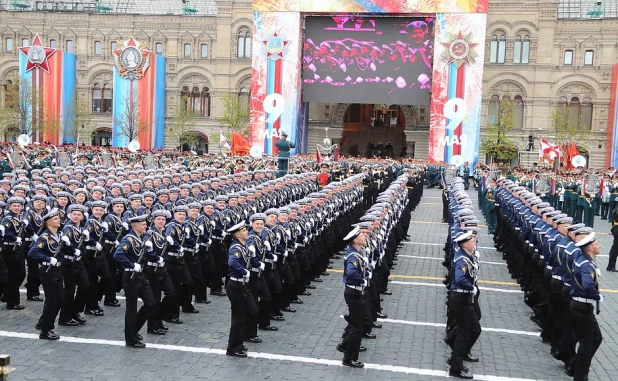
{"points": [[235, 115], [182, 126], [496, 142], [78, 118], [568, 127], [129, 122]]}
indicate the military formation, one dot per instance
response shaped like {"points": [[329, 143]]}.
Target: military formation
{"points": [[167, 234]]}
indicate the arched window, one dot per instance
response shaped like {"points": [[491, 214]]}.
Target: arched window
{"points": [[244, 44], [184, 98], [244, 95], [586, 114], [107, 98], [200, 101], [497, 48], [96, 98], [53, 44], [574, 107], [521, 50], [577, 113], [97, 48], [518, 112], [492, 110], [501, 49]]}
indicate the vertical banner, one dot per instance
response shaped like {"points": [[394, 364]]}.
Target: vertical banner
{"points": [[275, 79], [52, 77], [611, 156], [139, 96], [457, 86]]}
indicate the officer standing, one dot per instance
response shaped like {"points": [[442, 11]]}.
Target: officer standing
{"points": [[461, 305], [585, 294], [128, 255], [283, 146], [12, 231], [45, 251], [353, 278], [244, 308]]}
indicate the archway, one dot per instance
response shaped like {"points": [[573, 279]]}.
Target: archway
{"points": [[11, 134], [196, 141], [102, 137], [373, 130]]}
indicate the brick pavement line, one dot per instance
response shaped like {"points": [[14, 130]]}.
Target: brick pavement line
{"points": [[441, 259], [262, 355], [514, 284], [512, 291]]}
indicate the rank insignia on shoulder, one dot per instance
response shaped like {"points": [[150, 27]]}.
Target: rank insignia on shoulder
{"points": [[592, 274], [125, 247], [464, 268], [237, 255], [40, 245], [355, 263]]}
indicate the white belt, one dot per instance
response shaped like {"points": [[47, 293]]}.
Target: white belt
{"points": [[72, 258], [204, 244], [255, 270], [27, 239], [290, 250], [550, 267], [462, 291], [557, 277], [237, 279], [359, 288], [110, 242], [583, 300], [219, 238], [10, 243], [91, 248], [190, 250], [268, 260], [58, 264], [567, 284], [301, 245], [129, 269], [541, 256], [175, 255]]}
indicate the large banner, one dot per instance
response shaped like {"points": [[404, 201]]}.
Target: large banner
{"points": [[611, 153], [139, 96], [358, 54], [52, 75]]}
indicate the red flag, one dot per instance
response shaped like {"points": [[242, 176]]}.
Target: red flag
{"points": [[553, 186], [602, 187], [240, 145], [583, 187], [318, 156], [336, 155]]}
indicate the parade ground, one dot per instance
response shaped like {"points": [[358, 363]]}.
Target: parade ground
{"points": [[409, 346]]}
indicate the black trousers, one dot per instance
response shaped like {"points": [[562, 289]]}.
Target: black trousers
{"points": [[133, 319], [160, 281], [33, 280], [244, 313], [220, 253], [16, 273], [108, 289], [613, 252], [192, 263], [3, 275], [271, 276], [261, 296], [75, 277], [468, 328], [54, 293], [356, 313], [96, 267], [179, 273], [288, 287], [588, 335], [208, 270]]}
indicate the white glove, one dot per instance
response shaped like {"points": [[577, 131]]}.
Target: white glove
{"points": [[602, 299], [116, 243], [364, 283], [188, 232], [148, 245], [475, 290], [160, 261], [209, 241], [35, 237], [372, 265], [2, 230], [370, 275], [598, 273], [86, 234], [477, 254], [365, 259], [53, 261], [201, 227], [267, 245], [25, 222], [98, 247], [169, 240], [275, 257], [213, 224], [197, 246], [285, 254], [262, 266], [247, 274], [78, 252], [305, 240], [66, 240], [182, 250], [18, 240], [105, 226], [137, 268], [125, 226], [223, 234], [367, 250], [295, 245]]}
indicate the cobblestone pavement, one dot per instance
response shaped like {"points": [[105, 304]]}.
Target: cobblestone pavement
{"points": [[408, 347]]}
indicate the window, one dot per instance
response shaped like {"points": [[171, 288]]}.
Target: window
{"points": [[589, 58], [114, 46], [244, 97], [576, 112], [586, 113], [25, 42], [521, 50], [96, 98], [97, 48], [492, 110], [187, 50], [107, 98], [244, 44], [53, 44], [568, 57], [70, 46], [518, 112], [204, 51], [159, 48], [9, 44], [497, 49], [496, 111], [195, 101]]}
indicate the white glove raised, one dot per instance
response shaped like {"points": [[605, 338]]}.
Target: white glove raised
{"points": [[116, 243], [160, 261], [137, 268], [105, 226], [285, 254], [148, 245], [267, 245], [366, 260], [370, 275], [169, 240], [53, 261], [66, 240], [125, 226], [475, 290], [18, 240], [35, 237], [25, 222], [86, 234], [209, 241], [602, 299], [98, 247], [223, 234], [78, 252], [188, 232], [197, 246], [247, 274], [201, 227], [262, 266], [275, 257], [364, 283]]}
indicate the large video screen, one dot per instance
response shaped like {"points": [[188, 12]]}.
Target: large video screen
{"points": [[353, 59]]}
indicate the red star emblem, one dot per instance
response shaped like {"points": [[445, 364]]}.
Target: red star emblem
{"points": [[37, 55], [275, 46], [459, 49]]}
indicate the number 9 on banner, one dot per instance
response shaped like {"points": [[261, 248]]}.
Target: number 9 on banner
{"points": [[455, 110], [273, 105]]}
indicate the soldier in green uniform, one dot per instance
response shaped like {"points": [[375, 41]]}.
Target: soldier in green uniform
{"points": [[4, 165], [283, 146], [613, 195]]}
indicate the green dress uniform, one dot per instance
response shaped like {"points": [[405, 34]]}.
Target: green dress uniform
{"points": [[283, 147], [5, 167]]}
